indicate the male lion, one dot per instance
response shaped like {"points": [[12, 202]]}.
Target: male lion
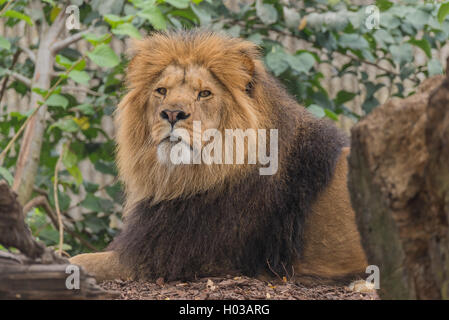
{"points": [[186, 220]]}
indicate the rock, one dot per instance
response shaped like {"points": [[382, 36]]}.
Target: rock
{"points": [[398, 178]]}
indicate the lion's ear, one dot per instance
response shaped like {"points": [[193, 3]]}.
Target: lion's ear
{"points": [[248, 58], [248, 63]]}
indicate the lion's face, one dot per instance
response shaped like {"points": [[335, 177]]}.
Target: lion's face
{"points": [[176, 80], [180, 96]]}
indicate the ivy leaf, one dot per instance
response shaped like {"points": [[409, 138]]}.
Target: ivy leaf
{"points": [[155, 17], [344, 96], [424, 45], [402, 53], [275, 61], [104, 56], [57, 100], [4, 43], [443, 12], [292, 17], [302, 62], [266, 12], [353, 41]]}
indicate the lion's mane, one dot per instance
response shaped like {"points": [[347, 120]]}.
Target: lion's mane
{"points": [[220, 218]]}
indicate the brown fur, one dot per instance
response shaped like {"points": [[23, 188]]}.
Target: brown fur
{"points": [[187, 220]]}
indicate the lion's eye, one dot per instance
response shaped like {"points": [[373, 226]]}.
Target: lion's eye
{"points": [[204, 94], [162, 91]]}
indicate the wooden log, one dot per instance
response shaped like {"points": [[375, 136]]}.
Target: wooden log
{"points": [[21, 280], [398, 180], [38, 273]]}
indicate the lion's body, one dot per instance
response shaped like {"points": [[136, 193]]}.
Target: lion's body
{"points": [[183, 221]]}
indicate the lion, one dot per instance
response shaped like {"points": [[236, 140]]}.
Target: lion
{"points": [[186, 220]]}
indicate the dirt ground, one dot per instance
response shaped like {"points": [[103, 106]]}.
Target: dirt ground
{"points": [[234, 288]]}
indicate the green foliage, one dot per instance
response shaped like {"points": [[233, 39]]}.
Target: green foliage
{"points": [[330, 29]]}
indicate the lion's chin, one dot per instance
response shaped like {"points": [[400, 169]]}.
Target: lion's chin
{"points": [[167, 156]]}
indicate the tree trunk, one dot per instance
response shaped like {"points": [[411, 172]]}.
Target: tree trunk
{"points": [[398, 180], [30, 148]]}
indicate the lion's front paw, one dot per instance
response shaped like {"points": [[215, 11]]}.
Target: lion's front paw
{"points": [[102, 265]]}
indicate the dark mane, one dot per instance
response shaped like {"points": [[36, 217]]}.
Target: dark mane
{"points": [[246, 223]]}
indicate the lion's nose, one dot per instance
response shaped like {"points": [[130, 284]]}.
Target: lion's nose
{"points": [[174, 116]]}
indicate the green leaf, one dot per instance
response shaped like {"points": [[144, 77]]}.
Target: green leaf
{"points": [[384, 5], [424, 45], [155, 17], [330, 114], [302, 62], [353, 41], [266, 12], [418, 18], [443, 12], [434, 67], [115, 192], [76, 173], [104, 56], [4, 43], [180, 4], [67, 125], [86, 109], [4, 173], [115, 21], [344, 96], [95, 40], [18, 15], [275, 61], [292, 17], [91, 202], [79, 76], [402, 53], [316, 110], [127, 29], [67, 63], [69, 159], [57, 100]]}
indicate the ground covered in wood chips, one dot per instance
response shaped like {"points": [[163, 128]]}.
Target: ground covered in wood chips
{"points": [[235, 288]]}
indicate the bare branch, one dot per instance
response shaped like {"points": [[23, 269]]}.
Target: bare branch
{"points": [[82, 89], [42, 201], [61, 44], [29, 53], [56, 27], [58, 211], [19, 77]]}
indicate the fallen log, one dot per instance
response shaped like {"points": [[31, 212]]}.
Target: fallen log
{"points": [[398, 180], [37, 273]]}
